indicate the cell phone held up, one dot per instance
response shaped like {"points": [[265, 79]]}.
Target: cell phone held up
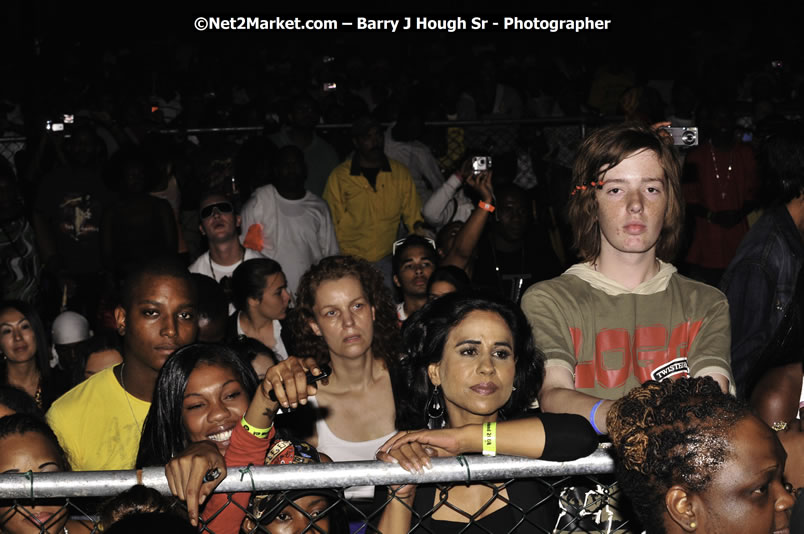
{"points": [[326, 370]]}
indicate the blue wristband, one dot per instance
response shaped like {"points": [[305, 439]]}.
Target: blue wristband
{"points": [[592, 417]]}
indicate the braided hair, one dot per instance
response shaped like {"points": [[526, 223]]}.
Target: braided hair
{"points": [[668, 433]]}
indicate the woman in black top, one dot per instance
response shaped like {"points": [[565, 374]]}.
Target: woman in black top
{"points": [[472, 371]]}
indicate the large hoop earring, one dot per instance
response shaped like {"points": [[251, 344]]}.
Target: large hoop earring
{"points": [[434, 412]]}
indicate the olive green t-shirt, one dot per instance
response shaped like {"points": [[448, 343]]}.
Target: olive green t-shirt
{"points": [[612, 339]]}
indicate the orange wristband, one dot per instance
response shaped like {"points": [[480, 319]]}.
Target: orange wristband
{"points": [[485, 206]]}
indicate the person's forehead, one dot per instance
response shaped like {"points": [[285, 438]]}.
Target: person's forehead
{"points": [[11, 315], [151, 284], [211, 374], [645, 162], [752, 438], [440, 288], [752, 451], [416, 251], [30, 445], [348, 285], [213, 199], [311, 500], [491, 319]]}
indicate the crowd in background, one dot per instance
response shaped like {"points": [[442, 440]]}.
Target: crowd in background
{"points": [[322, 195]]}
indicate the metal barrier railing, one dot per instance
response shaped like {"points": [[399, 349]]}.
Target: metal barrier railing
{"points": [[582, 122], [291, 477], [556, 506]]}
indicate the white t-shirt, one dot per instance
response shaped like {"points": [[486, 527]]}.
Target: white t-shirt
{"points": [[204, 265], [296, 233]]}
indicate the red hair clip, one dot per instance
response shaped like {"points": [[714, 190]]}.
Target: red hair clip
{"points": [[597, 184]]}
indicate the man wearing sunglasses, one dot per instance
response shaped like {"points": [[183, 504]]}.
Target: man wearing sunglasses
{"points": [[219, 223]]}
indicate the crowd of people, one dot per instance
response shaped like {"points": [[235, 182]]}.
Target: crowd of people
{"points": [[298, 303]]}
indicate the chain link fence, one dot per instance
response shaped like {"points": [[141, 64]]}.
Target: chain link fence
{"points": [[520, 495], [9, 146], [511, 141], [450, 141]]}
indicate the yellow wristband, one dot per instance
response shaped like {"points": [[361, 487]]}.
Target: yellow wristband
{"points": [[489, 439], [258, 432]]}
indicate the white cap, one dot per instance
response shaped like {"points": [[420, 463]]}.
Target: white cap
{"points": [[70, 327]]}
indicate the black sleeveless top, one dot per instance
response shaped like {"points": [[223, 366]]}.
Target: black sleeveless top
{"points": [[531, 508]]}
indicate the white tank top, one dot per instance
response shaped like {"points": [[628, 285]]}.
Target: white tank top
{"points": [[341, 450]]}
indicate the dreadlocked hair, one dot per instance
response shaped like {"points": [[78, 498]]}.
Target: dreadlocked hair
{"points": [[668, 433], [385, 343]]}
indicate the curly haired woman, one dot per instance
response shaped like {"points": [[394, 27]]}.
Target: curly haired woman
{"points": [[344, 318]]}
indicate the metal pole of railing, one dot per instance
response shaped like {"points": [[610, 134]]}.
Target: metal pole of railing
{"points": [[581, 121], [544, 121], [287, 477]]}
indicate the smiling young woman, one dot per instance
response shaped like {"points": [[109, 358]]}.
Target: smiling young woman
{"points": [[210, 413], [201, 399], [201, 394]]}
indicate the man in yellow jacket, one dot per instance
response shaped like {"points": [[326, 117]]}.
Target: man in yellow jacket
{"points": [[368, 196]]}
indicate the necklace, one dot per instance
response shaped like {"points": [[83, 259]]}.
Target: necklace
{"points": [[38, 394], [242, 257], [125, 394], [724, 185]]}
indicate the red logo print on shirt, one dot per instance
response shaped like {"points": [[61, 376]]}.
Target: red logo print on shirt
{"points": [[618, 355]]}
